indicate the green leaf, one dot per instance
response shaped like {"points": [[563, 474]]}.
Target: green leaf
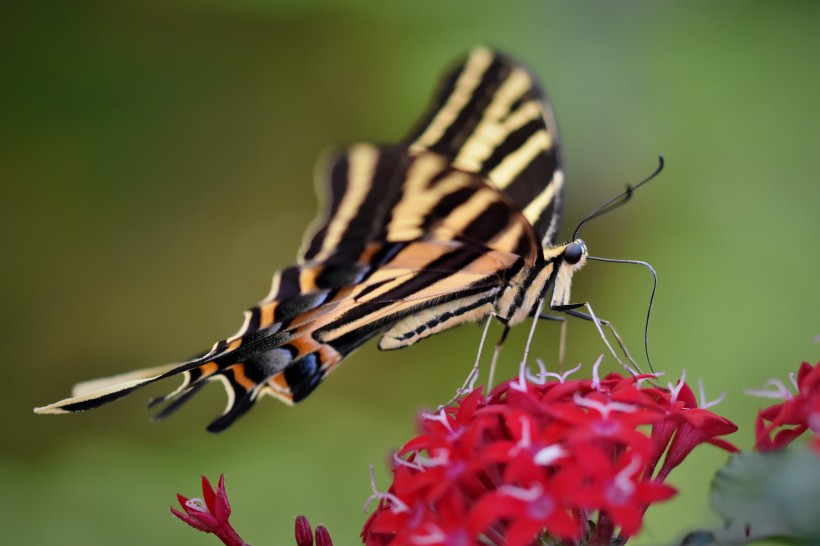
{"points": [[699, 538], [771, 494]]}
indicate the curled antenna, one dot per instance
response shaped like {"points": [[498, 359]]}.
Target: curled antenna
{"points": [[651, 297], [619, 199]]}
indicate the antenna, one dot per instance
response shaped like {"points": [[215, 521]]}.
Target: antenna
{"points": [[651, 297], [619, 199]]}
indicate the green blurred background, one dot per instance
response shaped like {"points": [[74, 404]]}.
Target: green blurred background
{"points": [[157, 164]]}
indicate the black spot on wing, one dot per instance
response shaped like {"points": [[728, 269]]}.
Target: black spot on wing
{"points": [[334, 277], [288, 283], [292, 307], [304, 375]]}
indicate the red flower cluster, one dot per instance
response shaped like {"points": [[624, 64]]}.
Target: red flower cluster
{"points": [[778, 425], [538, 460]]}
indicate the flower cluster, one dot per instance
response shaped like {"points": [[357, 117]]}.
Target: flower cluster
{"points": [[778, 425], [540, 459]]}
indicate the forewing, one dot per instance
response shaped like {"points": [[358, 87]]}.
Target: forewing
{"points": [[490, 118]]}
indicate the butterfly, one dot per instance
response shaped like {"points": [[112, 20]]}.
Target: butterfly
{"points": [[456, 223]]}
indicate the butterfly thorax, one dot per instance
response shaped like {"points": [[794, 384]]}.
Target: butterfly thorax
{"points": [[526, 288]]}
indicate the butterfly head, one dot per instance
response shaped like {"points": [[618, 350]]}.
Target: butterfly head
{"points": [[575, 253], [568, 259]]}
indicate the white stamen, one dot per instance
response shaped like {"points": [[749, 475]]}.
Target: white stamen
{"points": [[549, 455], [596, 379], [396, 504], [541, 378], [780, 392], [409, 464], [704, 404], [623, 479], [563, 377], [520, 493], [526, 438], [656, 375], [434, 536], [675, 389], [603, 408], [521, 384], [441, 458], [198, 505], [440, 416], [793, 379]]}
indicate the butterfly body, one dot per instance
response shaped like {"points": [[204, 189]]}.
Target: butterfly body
{"points": [[454, 224]]}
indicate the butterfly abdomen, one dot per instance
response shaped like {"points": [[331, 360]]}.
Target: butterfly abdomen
{"points": [[438, 318]]}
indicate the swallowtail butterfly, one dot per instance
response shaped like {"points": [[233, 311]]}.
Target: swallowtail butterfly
{"points": [[456, 223]]}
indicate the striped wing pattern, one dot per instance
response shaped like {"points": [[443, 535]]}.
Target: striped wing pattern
{"points": [[489, 117], [415, 238]]}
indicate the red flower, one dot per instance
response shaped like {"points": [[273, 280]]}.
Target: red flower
{"points": [[686, 426], [617, 487], [778, 425], [538, 459], [211, 514]]}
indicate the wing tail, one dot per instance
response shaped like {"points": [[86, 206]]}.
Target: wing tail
{"points": [[92, 394], [243, 382], [288, 371]]}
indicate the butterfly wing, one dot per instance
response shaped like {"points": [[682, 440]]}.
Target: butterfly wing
{"points": [[489, 117], [415, 238]]}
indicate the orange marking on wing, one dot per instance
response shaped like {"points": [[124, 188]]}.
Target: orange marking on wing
{"points": [[329, 357], [209, 368], [278, 388], [267, 314], [240, 377], [304, 345], [307, 278], [367, 254], [278, 382], [234, 344]]}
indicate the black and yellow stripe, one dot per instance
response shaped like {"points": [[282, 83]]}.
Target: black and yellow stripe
{"points": [[452, 225]]}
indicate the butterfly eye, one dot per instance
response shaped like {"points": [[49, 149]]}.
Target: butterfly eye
{"points": [[574, 252]]}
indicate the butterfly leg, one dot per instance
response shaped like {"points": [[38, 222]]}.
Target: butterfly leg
{"points": [[608, 324], [562, 342], [497, 351], [538, 309], [572, 310], [472, 377], [469, 382]]}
